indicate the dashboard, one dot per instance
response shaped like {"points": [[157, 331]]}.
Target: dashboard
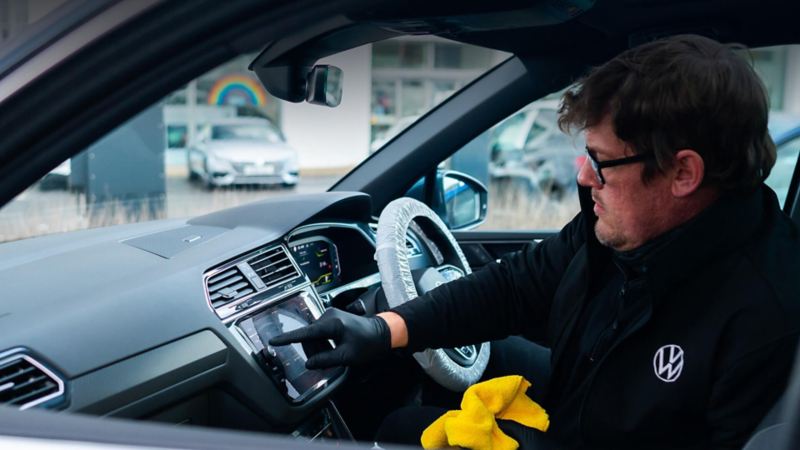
{"points": [[169, 320]]}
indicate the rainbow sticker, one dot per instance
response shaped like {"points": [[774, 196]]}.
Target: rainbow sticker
{"points": [[237, 90]]}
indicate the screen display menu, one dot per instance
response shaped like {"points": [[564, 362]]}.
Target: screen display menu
{"points": [[289, 315]]}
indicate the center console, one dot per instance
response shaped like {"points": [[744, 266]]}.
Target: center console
{"points": [[261, 295], [286, 364]]}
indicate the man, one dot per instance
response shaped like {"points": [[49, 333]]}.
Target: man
{"points": [[670, 303]]}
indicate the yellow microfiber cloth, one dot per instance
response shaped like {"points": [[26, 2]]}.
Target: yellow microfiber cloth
{"points": [[474, 425]]}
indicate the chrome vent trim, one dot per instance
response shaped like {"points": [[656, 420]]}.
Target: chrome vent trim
{"points": [[25, 382], [228, 286], [248, 280], [273, 266]]}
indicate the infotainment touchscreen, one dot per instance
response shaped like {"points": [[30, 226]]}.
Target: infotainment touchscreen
{"points": [[287, 362]]}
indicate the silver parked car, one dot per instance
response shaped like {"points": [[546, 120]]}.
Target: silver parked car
{"points": [[243, 150], [529, 151]]}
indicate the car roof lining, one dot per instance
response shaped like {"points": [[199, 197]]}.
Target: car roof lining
{"points": [[544, 28], [547, 28]]}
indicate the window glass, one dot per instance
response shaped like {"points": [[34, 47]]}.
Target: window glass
{"points": [[264, 132], [781, 174], [447, 56], [532, 165], [413, 74], [784, 127], [399, 54], [176, 136], [531, 169], [223, 140], [779, 69], [414, 99], [454, 56], [20, 17]]}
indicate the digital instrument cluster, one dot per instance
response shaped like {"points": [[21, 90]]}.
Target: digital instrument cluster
{"points": [[319, 259]]}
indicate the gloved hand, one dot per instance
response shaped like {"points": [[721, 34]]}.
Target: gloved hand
{"points": [[358, 339], [527, 438]]}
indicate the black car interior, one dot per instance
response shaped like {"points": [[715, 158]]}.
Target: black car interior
{"points": [[168, 321]]}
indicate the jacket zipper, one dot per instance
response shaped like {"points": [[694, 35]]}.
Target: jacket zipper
{"points": [[641, 320], [608, 333], [611, 330]]}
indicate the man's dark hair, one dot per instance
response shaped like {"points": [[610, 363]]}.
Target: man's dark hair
{"points": [[676, 93]]}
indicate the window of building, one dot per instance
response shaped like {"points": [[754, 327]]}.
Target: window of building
{"points": [[399, 54], [410, 75]]}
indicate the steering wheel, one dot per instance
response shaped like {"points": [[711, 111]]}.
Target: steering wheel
{"points": [[455, 369]]}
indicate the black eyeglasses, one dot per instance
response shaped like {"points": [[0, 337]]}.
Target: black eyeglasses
{"points": [[598, 166]]}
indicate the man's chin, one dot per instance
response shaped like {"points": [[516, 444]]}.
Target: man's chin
{"points": [[607, 237]]}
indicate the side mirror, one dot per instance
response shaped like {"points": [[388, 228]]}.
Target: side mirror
{"points": [[465, 200], [458, 199], [324, 86]]}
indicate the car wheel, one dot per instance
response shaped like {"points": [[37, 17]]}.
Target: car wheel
{"points": [[553, 190]]}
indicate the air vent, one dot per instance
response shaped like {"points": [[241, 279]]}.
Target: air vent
{"points": [[227, 286], [273, 266], [411, 244], [25, 382], [412, 247]]}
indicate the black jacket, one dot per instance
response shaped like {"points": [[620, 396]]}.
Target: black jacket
{"points": [[701, 360]]}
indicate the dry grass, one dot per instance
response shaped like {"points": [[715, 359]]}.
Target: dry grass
{"points": [[518, 209], [56, 215]]}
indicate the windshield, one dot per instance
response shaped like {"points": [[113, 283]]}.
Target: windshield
{"points": [[264, 133], [223, 140]]}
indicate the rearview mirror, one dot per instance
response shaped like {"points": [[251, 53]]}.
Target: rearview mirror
{"points": [[324, 86]]}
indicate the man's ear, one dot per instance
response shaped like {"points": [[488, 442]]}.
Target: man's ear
{"points": [[687, 173]]}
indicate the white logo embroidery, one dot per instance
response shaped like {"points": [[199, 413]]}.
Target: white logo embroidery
{"points": [[668, 363]]}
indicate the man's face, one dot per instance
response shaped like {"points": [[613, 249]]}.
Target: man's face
{"points": [[629, 211]]}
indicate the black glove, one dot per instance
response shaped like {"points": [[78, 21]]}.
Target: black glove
{"points": [[358, 339], [527, 438]]}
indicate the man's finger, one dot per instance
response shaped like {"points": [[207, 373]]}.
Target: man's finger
{"points": [[308, 333], [324, 360], [316, 331]]}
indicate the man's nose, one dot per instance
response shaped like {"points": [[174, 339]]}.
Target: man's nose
{"points": [[587, 177]]}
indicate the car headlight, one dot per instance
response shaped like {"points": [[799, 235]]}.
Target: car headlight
{"points": [[217, 164]]}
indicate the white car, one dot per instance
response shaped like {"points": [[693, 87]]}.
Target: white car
{"points": [[245, 150]]}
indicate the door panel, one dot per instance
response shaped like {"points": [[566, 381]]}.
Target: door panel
{"points": [[483, 247]]}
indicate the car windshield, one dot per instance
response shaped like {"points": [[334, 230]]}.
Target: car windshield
{"points": [[263, 133], [223, 140]]}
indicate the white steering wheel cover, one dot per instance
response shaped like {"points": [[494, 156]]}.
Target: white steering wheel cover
{"points": [[398, 284]]}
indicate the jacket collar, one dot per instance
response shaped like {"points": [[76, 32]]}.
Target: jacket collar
{"points": [[720, 229]]}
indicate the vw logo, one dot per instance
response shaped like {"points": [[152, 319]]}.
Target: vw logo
{"points": [[668, 363]]}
